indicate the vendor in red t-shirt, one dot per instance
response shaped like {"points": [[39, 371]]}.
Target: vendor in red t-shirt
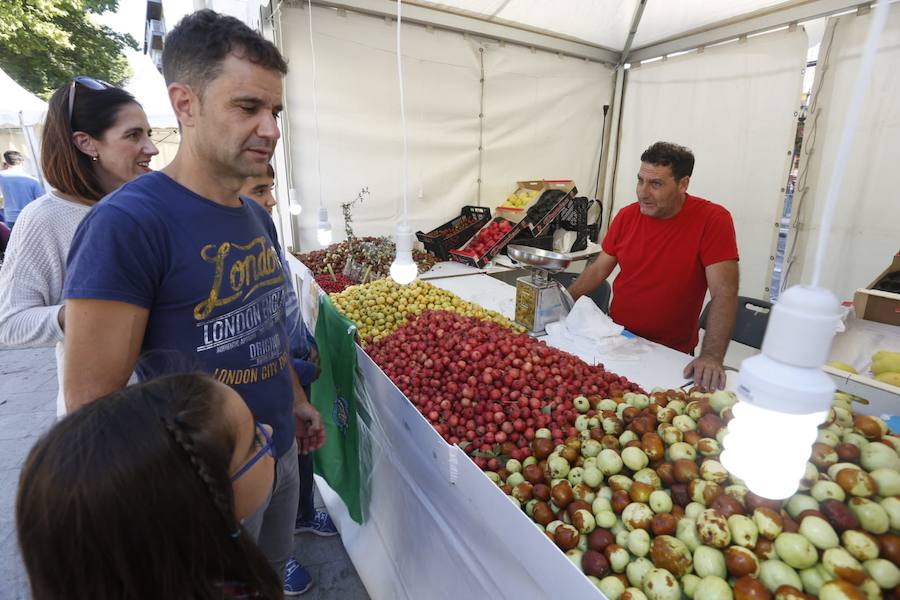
{"points": [[671, 247]]}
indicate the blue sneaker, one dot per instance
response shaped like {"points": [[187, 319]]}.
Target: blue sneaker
{"points": [[297, 580], [321, 524]]}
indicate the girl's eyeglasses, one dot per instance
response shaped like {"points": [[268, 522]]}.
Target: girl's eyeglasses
{"points": [[88, 82], [266, 447]]}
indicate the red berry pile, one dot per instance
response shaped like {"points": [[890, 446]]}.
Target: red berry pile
{"points": [[480, 383]]}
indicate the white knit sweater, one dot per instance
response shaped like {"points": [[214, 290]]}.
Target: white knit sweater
{"points": [[33, 274]]}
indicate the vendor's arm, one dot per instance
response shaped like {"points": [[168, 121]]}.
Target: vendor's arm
{"points": [[593, 276], [103, 340], [310, 431], [707, 369]]}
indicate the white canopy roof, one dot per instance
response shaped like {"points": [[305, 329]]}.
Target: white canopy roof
{"points": [[15, 100], [149, 88], [606, 22]]}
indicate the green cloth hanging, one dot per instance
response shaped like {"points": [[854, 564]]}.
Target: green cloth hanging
{"points": [[333, 395]]}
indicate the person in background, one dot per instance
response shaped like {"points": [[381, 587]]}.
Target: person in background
{"points": [[17, 187], [96, 138], [176, 268], [671, 247], [259, 189], [304, 359], [141, 494]]}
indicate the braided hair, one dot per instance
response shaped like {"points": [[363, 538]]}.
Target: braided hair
{"points": [[130, 497], [218, 497]]}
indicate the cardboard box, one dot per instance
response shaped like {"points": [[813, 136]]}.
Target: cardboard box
{"points": [[517, 214], [877, 305]]}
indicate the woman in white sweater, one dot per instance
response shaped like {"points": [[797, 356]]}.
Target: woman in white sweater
{"points": [[96, 137]]}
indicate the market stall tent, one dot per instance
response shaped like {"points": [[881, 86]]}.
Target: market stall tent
{"points": [[508, 90], [21, 114]]}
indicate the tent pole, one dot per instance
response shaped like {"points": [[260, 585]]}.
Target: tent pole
{"points": [[481, 125]]}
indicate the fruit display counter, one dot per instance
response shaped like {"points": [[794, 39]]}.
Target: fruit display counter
{"points": [[500, 467]]}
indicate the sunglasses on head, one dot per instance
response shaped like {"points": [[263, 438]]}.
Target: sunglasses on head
{"points": [[88, 82]]}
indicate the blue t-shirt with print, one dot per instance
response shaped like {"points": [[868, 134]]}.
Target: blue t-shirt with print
{"points": [[212, 279]]}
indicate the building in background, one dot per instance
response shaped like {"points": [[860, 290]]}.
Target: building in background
{"points": [[154, 32]]}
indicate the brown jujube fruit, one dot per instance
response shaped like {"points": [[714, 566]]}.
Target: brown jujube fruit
{"points": [[680, 495], [789, 524], [597, 433], [847, 452], [740, 561], [610, 441], [566, 537], [542, 448], [789, 592], [577, 505], [709, 425], [663, 524], [666, 474], [620, 499], [561, 494], [823, 456], [764, 549], [752, 501], [533, 474], [692, 438], [594, 563], [890, 547], [748, 588], [684, 470], [653, 447], [727, 505], [599, 539], [640, 492], [839, 515], [541, 491], [542, 513]]}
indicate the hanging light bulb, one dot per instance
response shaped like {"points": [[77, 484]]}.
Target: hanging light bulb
{"points": [[293, 204], [403, 269], [323, 229], [783, 394]]}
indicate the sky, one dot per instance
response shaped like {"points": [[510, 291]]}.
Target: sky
{"points": [[130, 16]]}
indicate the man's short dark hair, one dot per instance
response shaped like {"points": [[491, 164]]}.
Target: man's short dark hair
{"points": [[13, 158], [194, 50], [666, 154]]}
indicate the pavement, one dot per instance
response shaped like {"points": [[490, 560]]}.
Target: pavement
{"points": [[28, 407]]}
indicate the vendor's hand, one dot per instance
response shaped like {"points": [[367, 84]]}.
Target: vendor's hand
{"points": [[310, 431], [707, 372]]}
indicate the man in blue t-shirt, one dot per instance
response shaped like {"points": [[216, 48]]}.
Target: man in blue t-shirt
{"points": [[17, 187], [175, 272]]}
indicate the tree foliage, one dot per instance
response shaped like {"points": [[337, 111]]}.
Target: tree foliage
{"points": [[44, 43]]}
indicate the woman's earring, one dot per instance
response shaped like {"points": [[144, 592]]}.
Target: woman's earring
{"points": [[94, 158]]}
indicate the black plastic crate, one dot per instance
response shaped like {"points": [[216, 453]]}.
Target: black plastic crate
{"points": [[440, 244]]}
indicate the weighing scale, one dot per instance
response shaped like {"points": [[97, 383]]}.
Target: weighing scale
{"points": [[540, 299]]}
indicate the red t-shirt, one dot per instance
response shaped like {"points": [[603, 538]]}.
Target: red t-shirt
{"points": [[659, 292]]}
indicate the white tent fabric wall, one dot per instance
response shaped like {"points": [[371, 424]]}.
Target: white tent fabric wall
{"points": [[359, 120], [735, 107], [541, 120], [866, 230]]}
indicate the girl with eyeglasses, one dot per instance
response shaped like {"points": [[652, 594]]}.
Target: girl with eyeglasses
{"points": [[141, 495], [96, 137]]}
